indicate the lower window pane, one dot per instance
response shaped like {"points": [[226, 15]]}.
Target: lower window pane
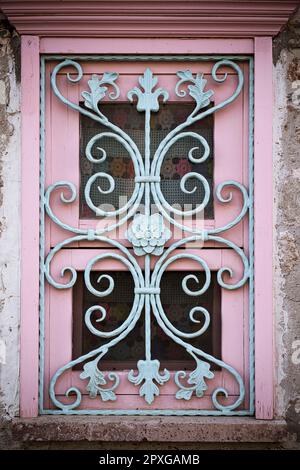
{"points": [[177, 306]]}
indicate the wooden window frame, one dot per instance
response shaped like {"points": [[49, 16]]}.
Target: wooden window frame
{"points": [[261, 48]]}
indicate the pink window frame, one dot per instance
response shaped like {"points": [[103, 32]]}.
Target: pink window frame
{"points": [[261, 48], [61, 121]]}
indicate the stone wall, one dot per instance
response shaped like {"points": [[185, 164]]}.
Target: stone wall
{"points": [[286, 156], [286, 233], [9, 221]]}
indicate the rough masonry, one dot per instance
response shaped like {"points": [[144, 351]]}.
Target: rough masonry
{"points": [[286, 157]]}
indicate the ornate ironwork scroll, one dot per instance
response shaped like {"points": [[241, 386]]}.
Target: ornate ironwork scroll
{"points": [[147, 234]]}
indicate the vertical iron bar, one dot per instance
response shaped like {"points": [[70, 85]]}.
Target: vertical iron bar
{"points": [[147, 257], [251, 239]]}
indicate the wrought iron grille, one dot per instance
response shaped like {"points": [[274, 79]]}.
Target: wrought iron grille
{"points": [[148, 235], [176, 304]]}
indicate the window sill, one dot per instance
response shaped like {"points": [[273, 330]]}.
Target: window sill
{"points": [[149, 429]]}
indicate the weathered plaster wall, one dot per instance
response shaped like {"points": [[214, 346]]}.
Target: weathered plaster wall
{"points": [[9, 220], [286, 233], [286, 157]]}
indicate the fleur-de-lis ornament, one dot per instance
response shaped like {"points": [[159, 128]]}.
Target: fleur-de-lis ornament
{"points": [[148, 100]]}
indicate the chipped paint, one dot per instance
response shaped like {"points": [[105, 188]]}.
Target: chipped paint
{"points": [[287, 221], [9, 227]]}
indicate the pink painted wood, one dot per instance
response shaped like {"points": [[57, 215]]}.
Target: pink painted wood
{"points": [[263, 200], [145, 46], [155, 18], [30, 227], [263, 229]]}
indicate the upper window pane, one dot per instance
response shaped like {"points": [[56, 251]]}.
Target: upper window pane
{"points": [[119, 165]]}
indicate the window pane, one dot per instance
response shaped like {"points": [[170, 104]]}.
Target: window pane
{"points": [[119, 164], [176, 305]]}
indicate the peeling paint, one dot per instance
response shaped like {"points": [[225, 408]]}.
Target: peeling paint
{"points": [[288, 252], [9, 230]]}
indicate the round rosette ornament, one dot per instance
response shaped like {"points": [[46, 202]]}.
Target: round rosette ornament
{"points": [[148, 234]]}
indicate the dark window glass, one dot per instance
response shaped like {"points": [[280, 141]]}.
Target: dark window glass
{"points": [[119, 164], [176, 305]]}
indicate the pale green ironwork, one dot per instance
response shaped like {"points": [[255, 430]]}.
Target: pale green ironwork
{"points": [[148, 371], [147, 100], [96, 379], [148, 235]]}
